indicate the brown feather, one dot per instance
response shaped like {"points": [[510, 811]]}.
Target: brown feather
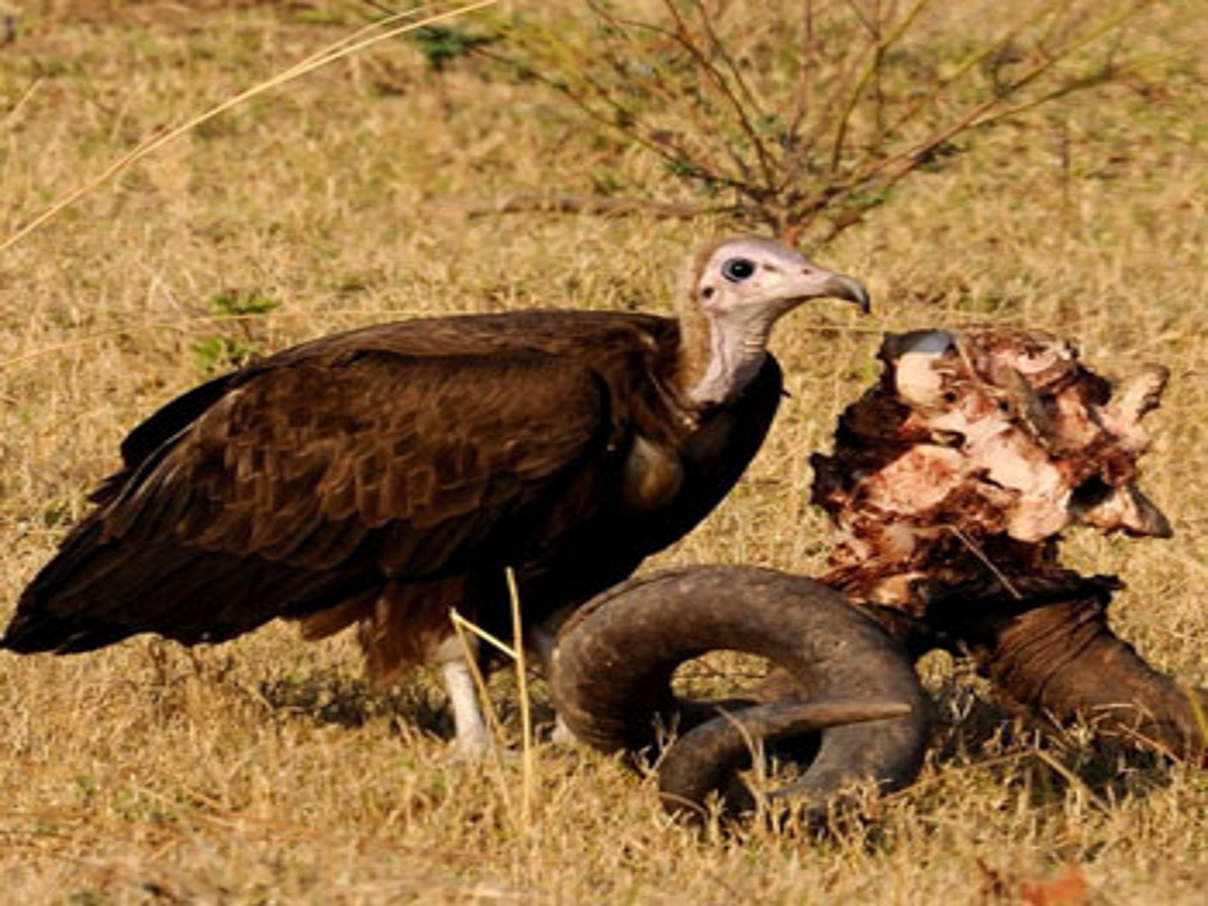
{"points": [[385, 475], [406, 623]]}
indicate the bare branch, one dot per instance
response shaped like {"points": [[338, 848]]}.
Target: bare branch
{"points": [[683, 88], [1082, 83], [723, 85], [604, 205], [973, 61], [870, 70], [721, 51]]}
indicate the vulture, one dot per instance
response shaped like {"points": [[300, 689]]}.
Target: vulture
{"points": [[385, 476]]}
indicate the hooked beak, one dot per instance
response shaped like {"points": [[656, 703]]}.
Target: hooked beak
{"points": [[813, 282], [841, 286]]}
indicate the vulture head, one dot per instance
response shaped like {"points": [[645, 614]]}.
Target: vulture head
{"points": [[737, 289]]}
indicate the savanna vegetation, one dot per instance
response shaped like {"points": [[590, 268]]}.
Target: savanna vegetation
{"points": [[494, 165]]}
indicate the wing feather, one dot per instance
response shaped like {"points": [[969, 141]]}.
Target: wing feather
{"points": [[313, 480], [415, 443]]}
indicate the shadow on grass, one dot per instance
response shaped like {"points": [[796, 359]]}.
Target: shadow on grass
{"points": [[1048, 763], [328, 696]]}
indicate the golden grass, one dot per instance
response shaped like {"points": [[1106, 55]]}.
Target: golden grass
{"points": [[264, 771]]}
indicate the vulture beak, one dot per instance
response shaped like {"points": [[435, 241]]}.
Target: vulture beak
{"points": [[813, 282], [841, 286]]}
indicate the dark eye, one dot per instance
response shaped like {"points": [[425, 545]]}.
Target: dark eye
{"points": [[737, 269]]}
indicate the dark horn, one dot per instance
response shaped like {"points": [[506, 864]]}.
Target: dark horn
{"points": [[612, 669], [708, 756], [1062, 661]]}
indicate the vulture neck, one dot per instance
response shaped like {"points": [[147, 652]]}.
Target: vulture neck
{"points": [[718, 358]]}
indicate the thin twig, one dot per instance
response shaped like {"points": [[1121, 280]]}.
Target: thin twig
{"points": [[11, 116], [460, 624], [1075, 85], [705, 129], [864, 20], [986, 562], [720, 48], [890, 170], [879, 48], [1058, 17], [565, 203], [615, 123], [974, 60], [683, 36], [979, 116], [1073, 779]]}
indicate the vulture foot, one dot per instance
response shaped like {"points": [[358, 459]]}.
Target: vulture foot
{"points": [[562, 735], [472, 740]]}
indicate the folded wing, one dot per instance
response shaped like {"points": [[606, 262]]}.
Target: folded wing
{"points": [[292, 487]]}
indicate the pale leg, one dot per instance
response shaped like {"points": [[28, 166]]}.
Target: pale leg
{"points": [[541, 642], [472, 740]]}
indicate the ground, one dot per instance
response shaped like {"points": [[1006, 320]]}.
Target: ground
{"points": [[264, 771]]}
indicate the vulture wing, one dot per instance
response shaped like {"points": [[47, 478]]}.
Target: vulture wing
{"points": [[285, 489]]}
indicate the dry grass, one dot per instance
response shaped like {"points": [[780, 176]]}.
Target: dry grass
{"points": [[262, 771]]}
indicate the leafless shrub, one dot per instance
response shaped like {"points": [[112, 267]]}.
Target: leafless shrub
{"points": [[802, 116]]}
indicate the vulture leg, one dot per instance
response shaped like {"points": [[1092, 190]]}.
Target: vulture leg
{"points": [[541, 642], [615, 658], [471, 740]]}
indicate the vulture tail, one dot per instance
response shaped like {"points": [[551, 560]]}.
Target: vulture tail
{"points": [[100, 590]]}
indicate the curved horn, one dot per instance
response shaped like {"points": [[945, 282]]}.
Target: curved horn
{"points": [[614, 660], [1062, 660], [708, 756]]}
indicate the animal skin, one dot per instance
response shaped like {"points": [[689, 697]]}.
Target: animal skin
{"points": [[385, 476]]}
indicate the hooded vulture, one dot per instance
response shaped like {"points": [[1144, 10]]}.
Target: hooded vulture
{"points": [[384, 476]]}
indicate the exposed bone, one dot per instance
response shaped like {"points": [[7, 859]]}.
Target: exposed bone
{"points": [[1138, 396], [950, 483], [980, 438]]}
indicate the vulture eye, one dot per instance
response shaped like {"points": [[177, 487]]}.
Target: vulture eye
{"points": [[737, 269]]}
